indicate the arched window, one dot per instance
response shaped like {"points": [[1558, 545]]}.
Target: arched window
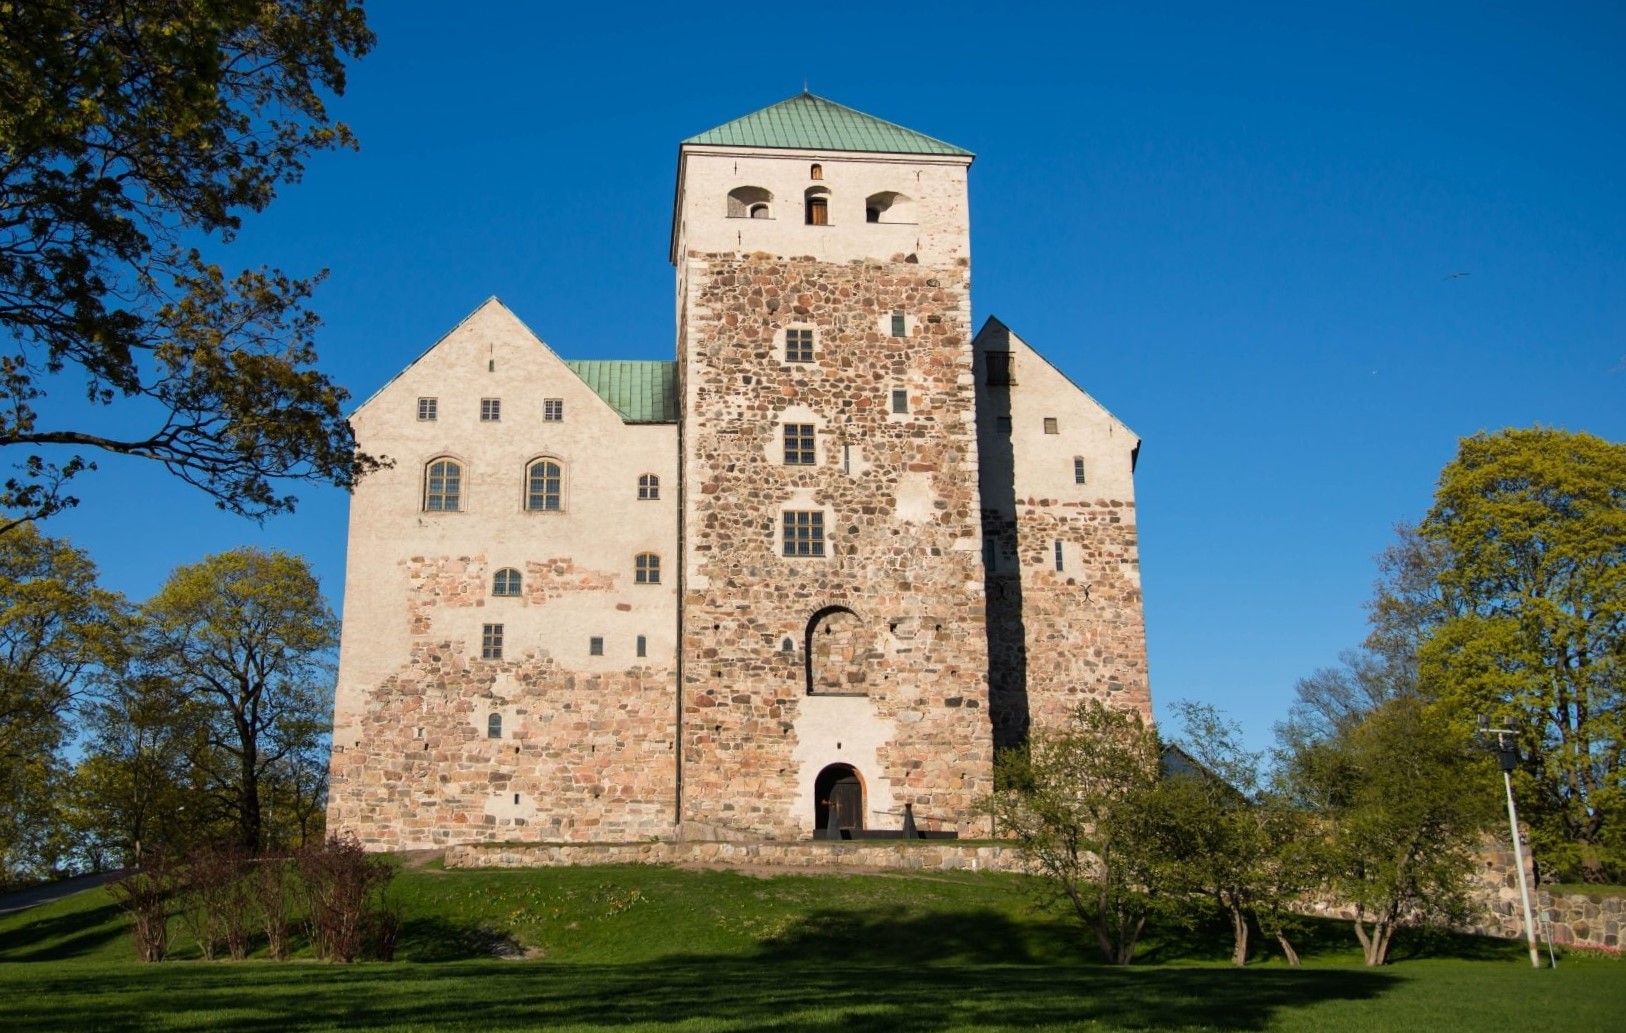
{"points": [[443, 487], [649, 487], [544, 487], [817, 207], [647, 569], [839, 652], [494, 726], [750, 203], [506, 582], [889, 206], [815, 171]]}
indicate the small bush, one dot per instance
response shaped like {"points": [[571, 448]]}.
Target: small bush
{"points": [[145, 896], [344, 893], [272, 891]]}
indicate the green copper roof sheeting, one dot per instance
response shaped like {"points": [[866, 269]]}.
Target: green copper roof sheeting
{"points": [[642, 392], [810, 123]]}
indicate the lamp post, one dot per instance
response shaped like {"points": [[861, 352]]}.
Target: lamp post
{"points": [[1508, 753]]}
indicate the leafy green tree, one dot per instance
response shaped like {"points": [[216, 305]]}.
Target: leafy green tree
{"points": [[134, 130], [247, 635], [1400, 805], [1224, 837], [134, 791], [1532, 626], [56, 626], [1076, 800]]}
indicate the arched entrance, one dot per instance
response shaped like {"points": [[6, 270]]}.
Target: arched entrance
{"points": [[838, 795]]}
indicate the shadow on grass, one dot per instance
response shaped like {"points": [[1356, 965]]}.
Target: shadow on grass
{"points": [[61, 937], [744, 994]]}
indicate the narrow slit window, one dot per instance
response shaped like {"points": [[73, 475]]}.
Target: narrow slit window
{"points": [[642, 646], [1059, 564], [1078, 469]]}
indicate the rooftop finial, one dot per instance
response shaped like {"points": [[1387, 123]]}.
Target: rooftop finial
{"points": [[805, 91]]}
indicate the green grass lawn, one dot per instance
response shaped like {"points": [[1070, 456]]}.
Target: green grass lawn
{"points": [[660, 949]]}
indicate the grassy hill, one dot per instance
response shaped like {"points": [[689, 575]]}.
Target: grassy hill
{"points": [[628, 948]]}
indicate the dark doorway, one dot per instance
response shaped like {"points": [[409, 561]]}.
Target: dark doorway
{"points": [[840, 796]]}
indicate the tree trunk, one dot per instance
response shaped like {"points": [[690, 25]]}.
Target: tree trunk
{"points": [[1287, 950], [1239, 937]]}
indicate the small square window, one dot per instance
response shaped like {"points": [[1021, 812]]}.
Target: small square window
{"points": [[647, 569], [1002, 424], [999, 369], [804, 533], [643, 646], [799, 449], [553, 410], [1078, 469], [595, 646], [899, 328], [1050, 426], [798, 346], [900, 401], [491, 642], [428, 409], [490, 410]]}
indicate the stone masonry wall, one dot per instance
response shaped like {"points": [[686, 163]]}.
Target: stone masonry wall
{"points": [[580, 755], [1084, 627], [898, 493]]}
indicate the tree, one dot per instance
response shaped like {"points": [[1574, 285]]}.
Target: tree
{"points": [[55, 626], [1400, 805], [1075, 800], [1224, 837], [1528, 531], [133, 130], [248, 634]]}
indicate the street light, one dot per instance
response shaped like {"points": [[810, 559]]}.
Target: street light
{"points": [[1507, 751]]}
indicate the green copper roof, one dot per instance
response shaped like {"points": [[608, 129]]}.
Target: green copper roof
{"points": [[810, 123], [642, 392]]}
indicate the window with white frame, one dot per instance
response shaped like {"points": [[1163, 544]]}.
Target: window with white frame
{"points": [[553, 410], [649, 487], [490, 410], [544, 487], [799, 448], [646, 569], [506, 582], [443, 487], [799, 345], [428, 409], [491, 642]]}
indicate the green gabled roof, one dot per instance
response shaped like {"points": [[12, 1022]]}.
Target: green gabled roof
{"points": [[642, 392], [809, 123]]}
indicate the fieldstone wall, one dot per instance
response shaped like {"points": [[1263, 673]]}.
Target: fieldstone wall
{"points": [[899, 501], [1591, 919], [919, 854], [576, 754], [1083, 626]]}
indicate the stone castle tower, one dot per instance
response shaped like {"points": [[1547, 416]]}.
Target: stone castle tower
{"points": [[811, 573]]}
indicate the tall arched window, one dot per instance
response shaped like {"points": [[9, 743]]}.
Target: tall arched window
{"points": [[494, 726], [817, 209], [544, 486], [506, 582], [649, 487], [443, 487], [750, 203], [839, 652]]}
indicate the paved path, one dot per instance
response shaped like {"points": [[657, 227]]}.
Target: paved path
{"points": [[53, 891]]}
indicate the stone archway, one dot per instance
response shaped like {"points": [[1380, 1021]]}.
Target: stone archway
{"points": [[838, 795]]}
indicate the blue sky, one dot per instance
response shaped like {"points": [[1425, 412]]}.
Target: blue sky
{"points": [[1237, 226]]}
